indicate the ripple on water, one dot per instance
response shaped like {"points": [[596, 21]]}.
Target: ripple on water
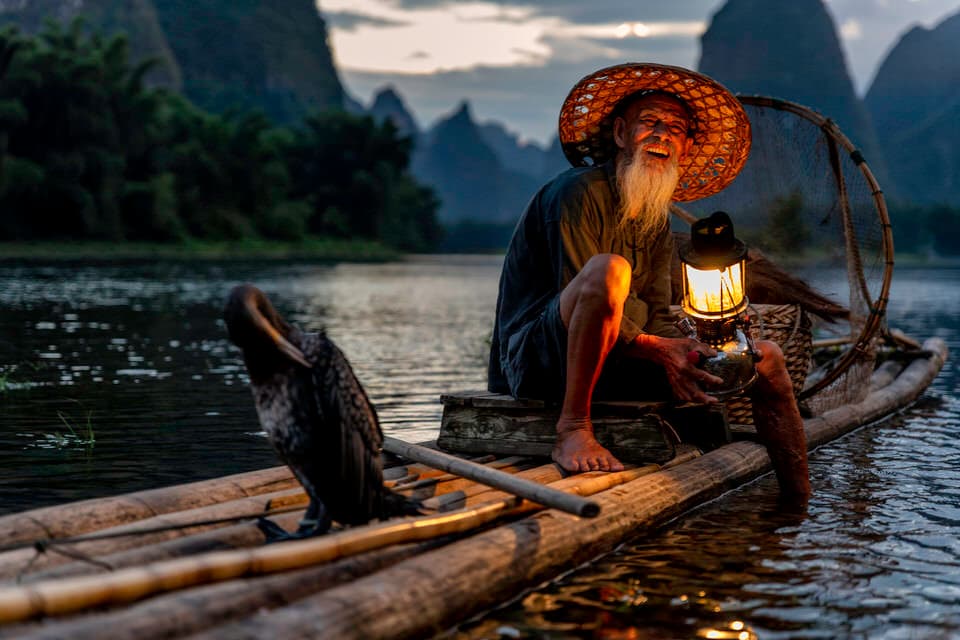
{"points": [[875, 555]]}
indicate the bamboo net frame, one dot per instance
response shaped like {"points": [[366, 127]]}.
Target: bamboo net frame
{"points": [[878, 307], [862, 345]]}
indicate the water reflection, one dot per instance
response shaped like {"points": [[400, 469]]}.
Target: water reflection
{"points": [[876, 555], [139, 352]]}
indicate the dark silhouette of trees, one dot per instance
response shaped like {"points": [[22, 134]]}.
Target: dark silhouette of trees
{"points": [[87, 151]]}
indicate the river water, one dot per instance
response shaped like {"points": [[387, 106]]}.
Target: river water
{"points": [[119, 377]]}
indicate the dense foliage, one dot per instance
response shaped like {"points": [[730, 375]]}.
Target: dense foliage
{"points": [[87, 151], [930, 229]]}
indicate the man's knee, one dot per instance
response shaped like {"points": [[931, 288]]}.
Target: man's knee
{"points": [[607, 275], [772, 367], [771, 354], [602, 285]]}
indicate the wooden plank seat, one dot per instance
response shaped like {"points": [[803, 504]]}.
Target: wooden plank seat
{"points": [[476, 422]]}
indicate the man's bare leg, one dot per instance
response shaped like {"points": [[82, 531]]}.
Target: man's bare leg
{"points": [[591, 307], [778, 422]]}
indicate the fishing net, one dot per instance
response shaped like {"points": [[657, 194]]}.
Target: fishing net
{"points": [[808, 201]]}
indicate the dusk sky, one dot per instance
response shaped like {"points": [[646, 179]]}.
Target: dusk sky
{"points": [[515, 60]]}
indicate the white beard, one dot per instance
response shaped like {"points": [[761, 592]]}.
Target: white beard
{"points": [[646, 188]]}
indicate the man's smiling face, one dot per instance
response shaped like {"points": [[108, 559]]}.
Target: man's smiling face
{"points": [[658, 125]]}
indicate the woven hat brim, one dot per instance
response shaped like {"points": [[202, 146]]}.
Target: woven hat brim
{"points": [[721, 141]]}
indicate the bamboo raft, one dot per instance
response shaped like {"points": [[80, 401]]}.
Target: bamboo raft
{"points": [[196, 564]]}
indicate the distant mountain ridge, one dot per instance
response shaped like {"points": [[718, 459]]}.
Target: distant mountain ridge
{"points": [[482, 172], [275, 56], [244, 53], [137, 18], [220, 53], [791, 51], [915, 102]]}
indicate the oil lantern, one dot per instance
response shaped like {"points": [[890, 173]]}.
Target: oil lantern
{"points": [[715, 302]]}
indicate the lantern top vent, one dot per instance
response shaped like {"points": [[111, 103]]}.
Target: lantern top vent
{"points": [[712, 243]]}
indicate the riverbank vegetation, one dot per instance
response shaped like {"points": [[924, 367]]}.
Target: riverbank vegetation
{"points": [[88, 152]]}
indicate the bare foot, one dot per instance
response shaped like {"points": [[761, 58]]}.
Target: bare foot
{"points": [[577, 450]]}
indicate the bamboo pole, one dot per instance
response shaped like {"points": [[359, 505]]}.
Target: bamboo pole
{"points": [[885, 374], [140, 549], [66, 596], [831, 342], [237, 536], [904, 389], [517, 486], [424, 595], [903, 340], [90, 515], [143, 532], [533, 548], [427, 488], [181, 613], [192, 610], [474, 574], [469, 493]]}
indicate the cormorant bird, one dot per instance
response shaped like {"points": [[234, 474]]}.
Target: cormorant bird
{"points": [[317, 416]]}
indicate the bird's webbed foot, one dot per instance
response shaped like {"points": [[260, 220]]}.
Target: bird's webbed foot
{"points": [[272, 532], [316, 522]]}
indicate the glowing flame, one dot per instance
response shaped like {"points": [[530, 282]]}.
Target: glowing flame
{"points": [[715, 293]]}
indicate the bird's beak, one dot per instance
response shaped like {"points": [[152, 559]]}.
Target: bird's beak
{"points": [[287, 349]]}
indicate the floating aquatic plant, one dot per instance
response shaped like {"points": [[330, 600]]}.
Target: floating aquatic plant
{"points": [[82, 435]]}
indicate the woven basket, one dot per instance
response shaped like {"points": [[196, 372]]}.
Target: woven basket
{"points": [[789, 326]]}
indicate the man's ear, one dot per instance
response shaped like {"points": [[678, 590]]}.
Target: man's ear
{"points": [[686, 147], [620, 132]]}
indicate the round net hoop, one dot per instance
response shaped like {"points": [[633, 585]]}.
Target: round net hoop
{"points": [[807, 199]]}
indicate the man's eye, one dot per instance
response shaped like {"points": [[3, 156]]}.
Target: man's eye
{"points": [[674, 128]]}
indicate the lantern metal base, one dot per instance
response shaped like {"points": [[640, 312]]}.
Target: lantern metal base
{"points": [[735, 361], [737, 369]]}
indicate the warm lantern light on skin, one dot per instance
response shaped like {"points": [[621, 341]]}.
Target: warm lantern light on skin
{"points": [[714, 293]]}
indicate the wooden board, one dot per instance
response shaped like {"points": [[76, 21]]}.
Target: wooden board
{"points": [[635, 432]]}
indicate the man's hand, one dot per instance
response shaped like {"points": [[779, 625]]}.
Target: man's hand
{"points": [[679, 357]]}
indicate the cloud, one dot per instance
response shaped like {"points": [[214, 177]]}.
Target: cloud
{"points": [[461, 37], [350, 21], [487, 34], [851, 30], [526, 99], [514, 60], [595, 11]]}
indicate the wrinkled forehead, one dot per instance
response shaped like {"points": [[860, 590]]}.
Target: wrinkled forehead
{"points": [[661, 104]]}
